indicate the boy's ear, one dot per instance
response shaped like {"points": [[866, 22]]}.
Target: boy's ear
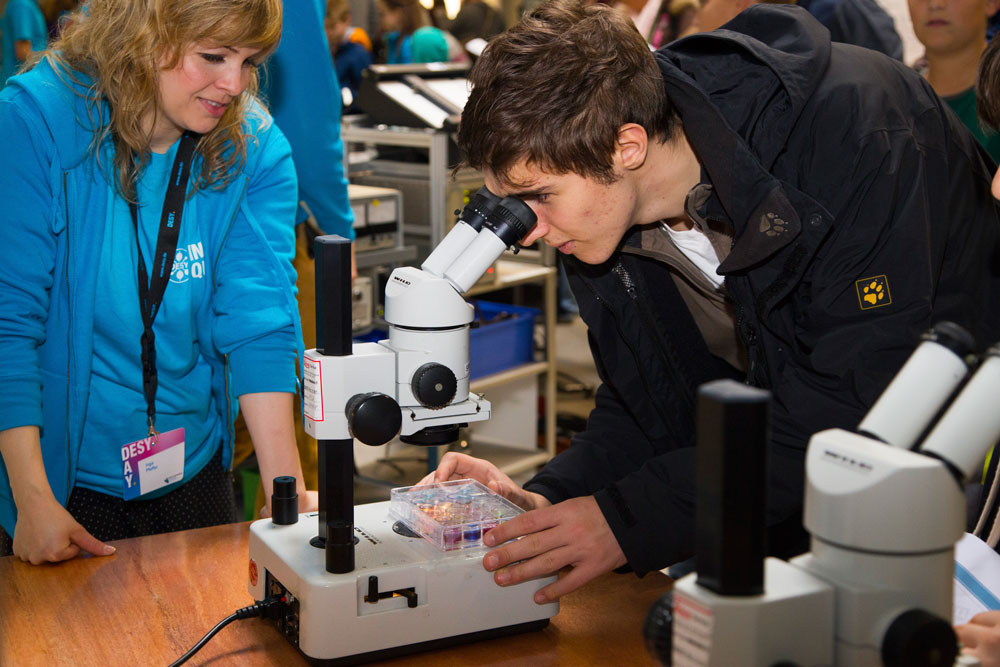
{"points": [[632, 144]]}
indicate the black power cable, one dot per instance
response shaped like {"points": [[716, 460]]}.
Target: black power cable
{"points": [[272, 607]]}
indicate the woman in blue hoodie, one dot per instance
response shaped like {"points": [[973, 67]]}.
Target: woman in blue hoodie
{"points": [[146, 284]]}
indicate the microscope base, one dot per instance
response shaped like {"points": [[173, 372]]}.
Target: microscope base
{"points": [[423, 599]]}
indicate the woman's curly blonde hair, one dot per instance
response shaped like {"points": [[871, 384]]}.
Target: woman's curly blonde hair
{"points": [[117, 45]]}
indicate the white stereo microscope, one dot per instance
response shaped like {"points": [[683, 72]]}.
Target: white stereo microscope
{"points": [[884, 507], [363, 587]]}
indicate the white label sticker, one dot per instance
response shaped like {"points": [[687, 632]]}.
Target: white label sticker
{"points": [[692, 640], [312, 390]]}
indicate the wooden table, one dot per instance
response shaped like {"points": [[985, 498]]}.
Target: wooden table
{"points": [[158, 595]]}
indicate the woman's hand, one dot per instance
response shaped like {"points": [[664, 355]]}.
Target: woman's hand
{"points": [[46, 533]]}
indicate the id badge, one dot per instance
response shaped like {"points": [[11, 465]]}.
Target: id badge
{"points": [[152, 463]]}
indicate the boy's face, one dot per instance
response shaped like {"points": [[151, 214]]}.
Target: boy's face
{"points": [[336, 29], [577, 215], [944, 26]]}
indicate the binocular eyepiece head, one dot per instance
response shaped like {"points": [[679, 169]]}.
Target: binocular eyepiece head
{"points": [[509, 218]]}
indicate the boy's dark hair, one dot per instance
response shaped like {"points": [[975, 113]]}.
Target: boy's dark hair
{"points": [[554, 90], [988, 85]]}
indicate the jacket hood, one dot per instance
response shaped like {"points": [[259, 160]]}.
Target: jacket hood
{"points": [[739, 92], [51, 92], [758, 103]]}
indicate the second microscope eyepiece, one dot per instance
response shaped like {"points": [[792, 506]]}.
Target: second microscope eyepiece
{"points": [[479, 208]]}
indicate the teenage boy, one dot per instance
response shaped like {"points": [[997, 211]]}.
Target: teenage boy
{"points": [[757, 203]]}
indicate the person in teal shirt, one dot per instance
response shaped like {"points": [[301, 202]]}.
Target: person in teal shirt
{"points": [[410, 38], [117, 337], [22, 31]]}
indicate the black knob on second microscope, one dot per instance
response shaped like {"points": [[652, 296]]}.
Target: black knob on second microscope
{"points": [[373, 418], [433, 385], [658, 629], [918, 638]]}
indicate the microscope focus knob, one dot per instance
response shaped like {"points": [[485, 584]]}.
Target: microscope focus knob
{"points": [[433, 385], [658, 629], [373, 418], [918, 638]]}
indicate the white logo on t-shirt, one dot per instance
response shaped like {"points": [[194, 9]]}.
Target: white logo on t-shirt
{"points": [[189, 262]]}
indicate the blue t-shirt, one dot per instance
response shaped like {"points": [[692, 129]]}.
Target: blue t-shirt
{"points": [[22, 20], [116, 408]]}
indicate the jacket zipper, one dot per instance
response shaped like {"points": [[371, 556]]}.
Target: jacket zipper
{"points": [[675, 373], [225, 357], [621, 334], [748, 334], [69, 339], [625, 339]]}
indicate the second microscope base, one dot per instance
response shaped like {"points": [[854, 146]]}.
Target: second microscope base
{"points": [[423, 598]]}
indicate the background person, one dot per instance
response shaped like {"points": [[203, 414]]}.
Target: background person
{"points": [[22, 32], [410, 37], [953, 33], [350, 48], [859, 22], [980, 637]]}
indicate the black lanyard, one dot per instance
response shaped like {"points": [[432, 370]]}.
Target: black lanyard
{"points": [[151, 291]]}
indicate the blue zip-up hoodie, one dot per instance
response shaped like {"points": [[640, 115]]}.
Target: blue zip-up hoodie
{"points": [[55, 197]]}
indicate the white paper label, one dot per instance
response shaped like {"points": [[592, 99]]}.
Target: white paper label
{"points": [[312, 390], [692, 640]]}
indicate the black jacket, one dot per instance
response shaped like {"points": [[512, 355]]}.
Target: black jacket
{"points": [[843, 177]]}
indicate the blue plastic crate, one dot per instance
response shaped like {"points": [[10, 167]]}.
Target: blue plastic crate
{"points": [[503, 339]]}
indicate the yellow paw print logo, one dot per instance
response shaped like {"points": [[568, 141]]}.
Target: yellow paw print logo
{"points": [[873, 292], [772, 225]]}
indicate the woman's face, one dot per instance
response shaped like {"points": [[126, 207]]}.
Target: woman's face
{"points": [[196, 93]]}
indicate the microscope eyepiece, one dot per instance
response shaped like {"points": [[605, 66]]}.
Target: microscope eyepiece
{"points": [[511, 220], [479, 208], [953, 337], [471, 221]]}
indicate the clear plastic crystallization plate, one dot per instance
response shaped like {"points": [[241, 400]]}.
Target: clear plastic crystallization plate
{"points": [[451, 515]]}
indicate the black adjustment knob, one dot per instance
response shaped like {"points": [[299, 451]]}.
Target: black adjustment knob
{"points": [[284, 501], [373, 418], [918, 638], [434, 385], [659, 627]]}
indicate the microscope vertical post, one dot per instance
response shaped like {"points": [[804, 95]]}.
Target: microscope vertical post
{"points": [[732, 481], [336, 457]]}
